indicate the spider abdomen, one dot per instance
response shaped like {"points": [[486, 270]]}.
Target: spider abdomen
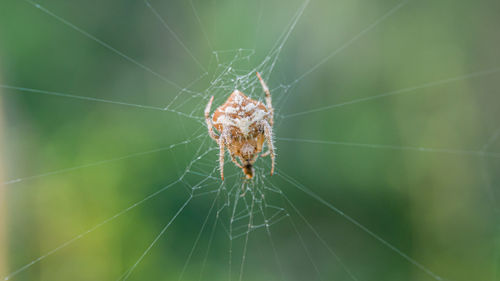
{"points": [[240, 113]]}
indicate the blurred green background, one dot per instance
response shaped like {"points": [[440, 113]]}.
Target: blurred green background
{"points": [[438, 207]]}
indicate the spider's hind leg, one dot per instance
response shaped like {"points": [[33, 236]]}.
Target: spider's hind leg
{"points": [[268, 132], [221, 157]]}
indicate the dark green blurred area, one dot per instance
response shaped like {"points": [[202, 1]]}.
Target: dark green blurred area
{"points": [[439, 208]]}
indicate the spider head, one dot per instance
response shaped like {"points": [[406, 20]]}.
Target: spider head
{"points": [[247, 150]]}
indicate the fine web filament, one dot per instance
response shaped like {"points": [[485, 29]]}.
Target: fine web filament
{"points": [[228, 70]]}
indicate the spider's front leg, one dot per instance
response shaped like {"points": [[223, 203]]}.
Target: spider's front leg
{"points": [[268, 98], [268, 133], [209, 121]]}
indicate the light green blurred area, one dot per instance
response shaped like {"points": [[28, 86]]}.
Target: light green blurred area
{"points": [[439, 207]]}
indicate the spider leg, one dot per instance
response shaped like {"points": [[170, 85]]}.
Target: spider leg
{"points": [[254, 159], [268, 97], [264, 154], [236, 161], [268, 132], [209, 121], [221, 157]]}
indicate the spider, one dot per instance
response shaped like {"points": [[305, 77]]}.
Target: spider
{"points": [[243, 125]]}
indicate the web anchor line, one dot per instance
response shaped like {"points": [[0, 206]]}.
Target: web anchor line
{"points": [[477, 153], [352, 40], [102, 162], [164, 229], [102, 43], [110, 219], [100, 100], [313, 195], [167, 27], [313, 229], [398, 92], [344, 46]]}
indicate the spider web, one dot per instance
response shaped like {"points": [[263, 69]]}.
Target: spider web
{"points": [[236, 209]]}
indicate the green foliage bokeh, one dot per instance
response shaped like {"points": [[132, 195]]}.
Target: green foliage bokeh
{"points": [[439, 208]]}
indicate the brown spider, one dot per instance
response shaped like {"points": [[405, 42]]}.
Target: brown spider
{"points": [[243, 125]]}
